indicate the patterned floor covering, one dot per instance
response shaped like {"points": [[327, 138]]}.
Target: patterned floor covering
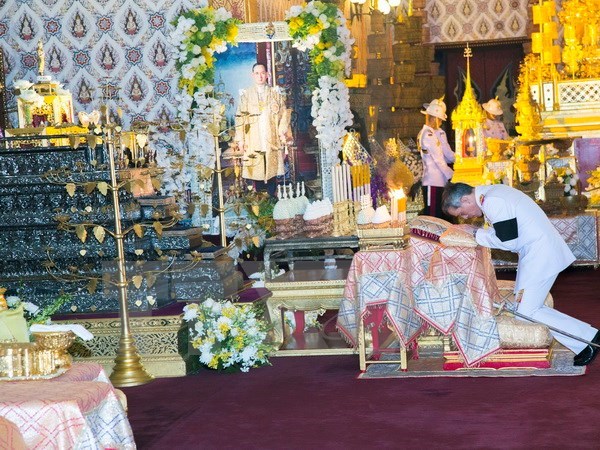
{"points": [[562, 365]]}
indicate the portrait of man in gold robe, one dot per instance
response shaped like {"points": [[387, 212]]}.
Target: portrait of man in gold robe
{"points": [[262, 128]]}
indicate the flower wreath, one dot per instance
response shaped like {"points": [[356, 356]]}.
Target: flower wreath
{"points": [[317, 27], [321, 29], [197, 35]]}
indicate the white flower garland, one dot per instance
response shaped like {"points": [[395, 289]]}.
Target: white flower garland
{"points": [[198, 110], [331, 113], [330, 100]]}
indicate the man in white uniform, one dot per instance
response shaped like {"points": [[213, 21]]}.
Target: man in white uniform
{"points": [[436, 154], [493, 127], [517, 224]]}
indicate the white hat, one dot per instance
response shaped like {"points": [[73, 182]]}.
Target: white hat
{"points": [[436, 101], [493, 106], [436, 108]]}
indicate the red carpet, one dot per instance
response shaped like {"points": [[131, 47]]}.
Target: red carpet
{"points": [[317, 402]]}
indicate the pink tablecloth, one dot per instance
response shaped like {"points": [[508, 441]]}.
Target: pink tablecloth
{"points": [[84, 372], [67, 411], [450, 288]]}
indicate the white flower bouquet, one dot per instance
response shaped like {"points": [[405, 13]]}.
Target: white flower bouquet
{"points": [[569, 178], [229, 337]]}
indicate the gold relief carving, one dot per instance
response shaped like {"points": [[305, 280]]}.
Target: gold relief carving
{"points": [[152, 335], [157, 366]]}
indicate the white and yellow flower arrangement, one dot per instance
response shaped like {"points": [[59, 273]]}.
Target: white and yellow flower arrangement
{"points": [[229, 337], [321, 29], [569, 179], [493, 177], [198, 35]]}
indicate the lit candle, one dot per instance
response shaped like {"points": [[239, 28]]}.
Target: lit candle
{"points": [[401, 201]]}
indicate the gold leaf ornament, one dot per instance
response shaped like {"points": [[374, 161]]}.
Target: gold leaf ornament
{"points": [[139, 251], [150, 279], [156, 183], [92, 286], [158, 227], [70, 187], [99, 233], [139, 230], [103, 187], [81, 232], [213, 129], [137, 281], [89, 187], [256, 241]]}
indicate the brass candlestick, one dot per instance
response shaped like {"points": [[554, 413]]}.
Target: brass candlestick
{"points": [[128, 369]]}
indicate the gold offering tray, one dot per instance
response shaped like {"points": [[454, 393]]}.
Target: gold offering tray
{"points": [[373, 239]]}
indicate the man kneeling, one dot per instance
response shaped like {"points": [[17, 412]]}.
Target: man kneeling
{"points": [[517, 224]]}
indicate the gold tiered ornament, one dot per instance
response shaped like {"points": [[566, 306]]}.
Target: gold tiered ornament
{"points": [[564, 81], [44, 107], [467, 121]]}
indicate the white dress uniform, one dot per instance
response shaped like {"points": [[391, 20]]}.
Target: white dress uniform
{"points": [[517, 224], [436, 154], [495, 129]]}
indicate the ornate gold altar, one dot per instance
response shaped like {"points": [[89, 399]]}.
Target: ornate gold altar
{"points": [[565, 80]]}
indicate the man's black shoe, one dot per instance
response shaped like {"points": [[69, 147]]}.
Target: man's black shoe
{"points": [[587, 355]]}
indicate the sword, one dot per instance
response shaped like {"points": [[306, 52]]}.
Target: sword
{"points": [[531, 319]]}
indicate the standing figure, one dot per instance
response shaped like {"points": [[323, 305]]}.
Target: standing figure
{"points": [[517, 224], [493, 126], [262, 128], [436, 154]]}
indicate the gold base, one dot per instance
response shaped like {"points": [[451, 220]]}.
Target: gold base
{"points": [[128, 370], [156, 339]]}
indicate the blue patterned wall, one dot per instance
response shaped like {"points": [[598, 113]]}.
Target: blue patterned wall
{"points": [[120, 44]]}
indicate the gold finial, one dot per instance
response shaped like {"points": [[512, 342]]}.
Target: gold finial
{"points": [[41, 58], [468, 53], [468, 113]]}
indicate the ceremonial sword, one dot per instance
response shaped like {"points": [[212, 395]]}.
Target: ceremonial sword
{"points": [[531, 319]]}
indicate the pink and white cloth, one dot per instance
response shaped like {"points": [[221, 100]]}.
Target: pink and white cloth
{"points": [[79, 409], [449, 288]]}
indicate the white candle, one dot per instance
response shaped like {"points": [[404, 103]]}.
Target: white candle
{"points": [[343, 183], [333, 187], [338, 171], [349, 183]]}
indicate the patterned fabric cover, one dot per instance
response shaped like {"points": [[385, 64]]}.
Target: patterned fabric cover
{"points": [[455, 236], [79, 409], [449, 288], [428, 227]]}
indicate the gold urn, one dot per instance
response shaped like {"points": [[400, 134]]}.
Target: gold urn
{"points": [[58, 342]]}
